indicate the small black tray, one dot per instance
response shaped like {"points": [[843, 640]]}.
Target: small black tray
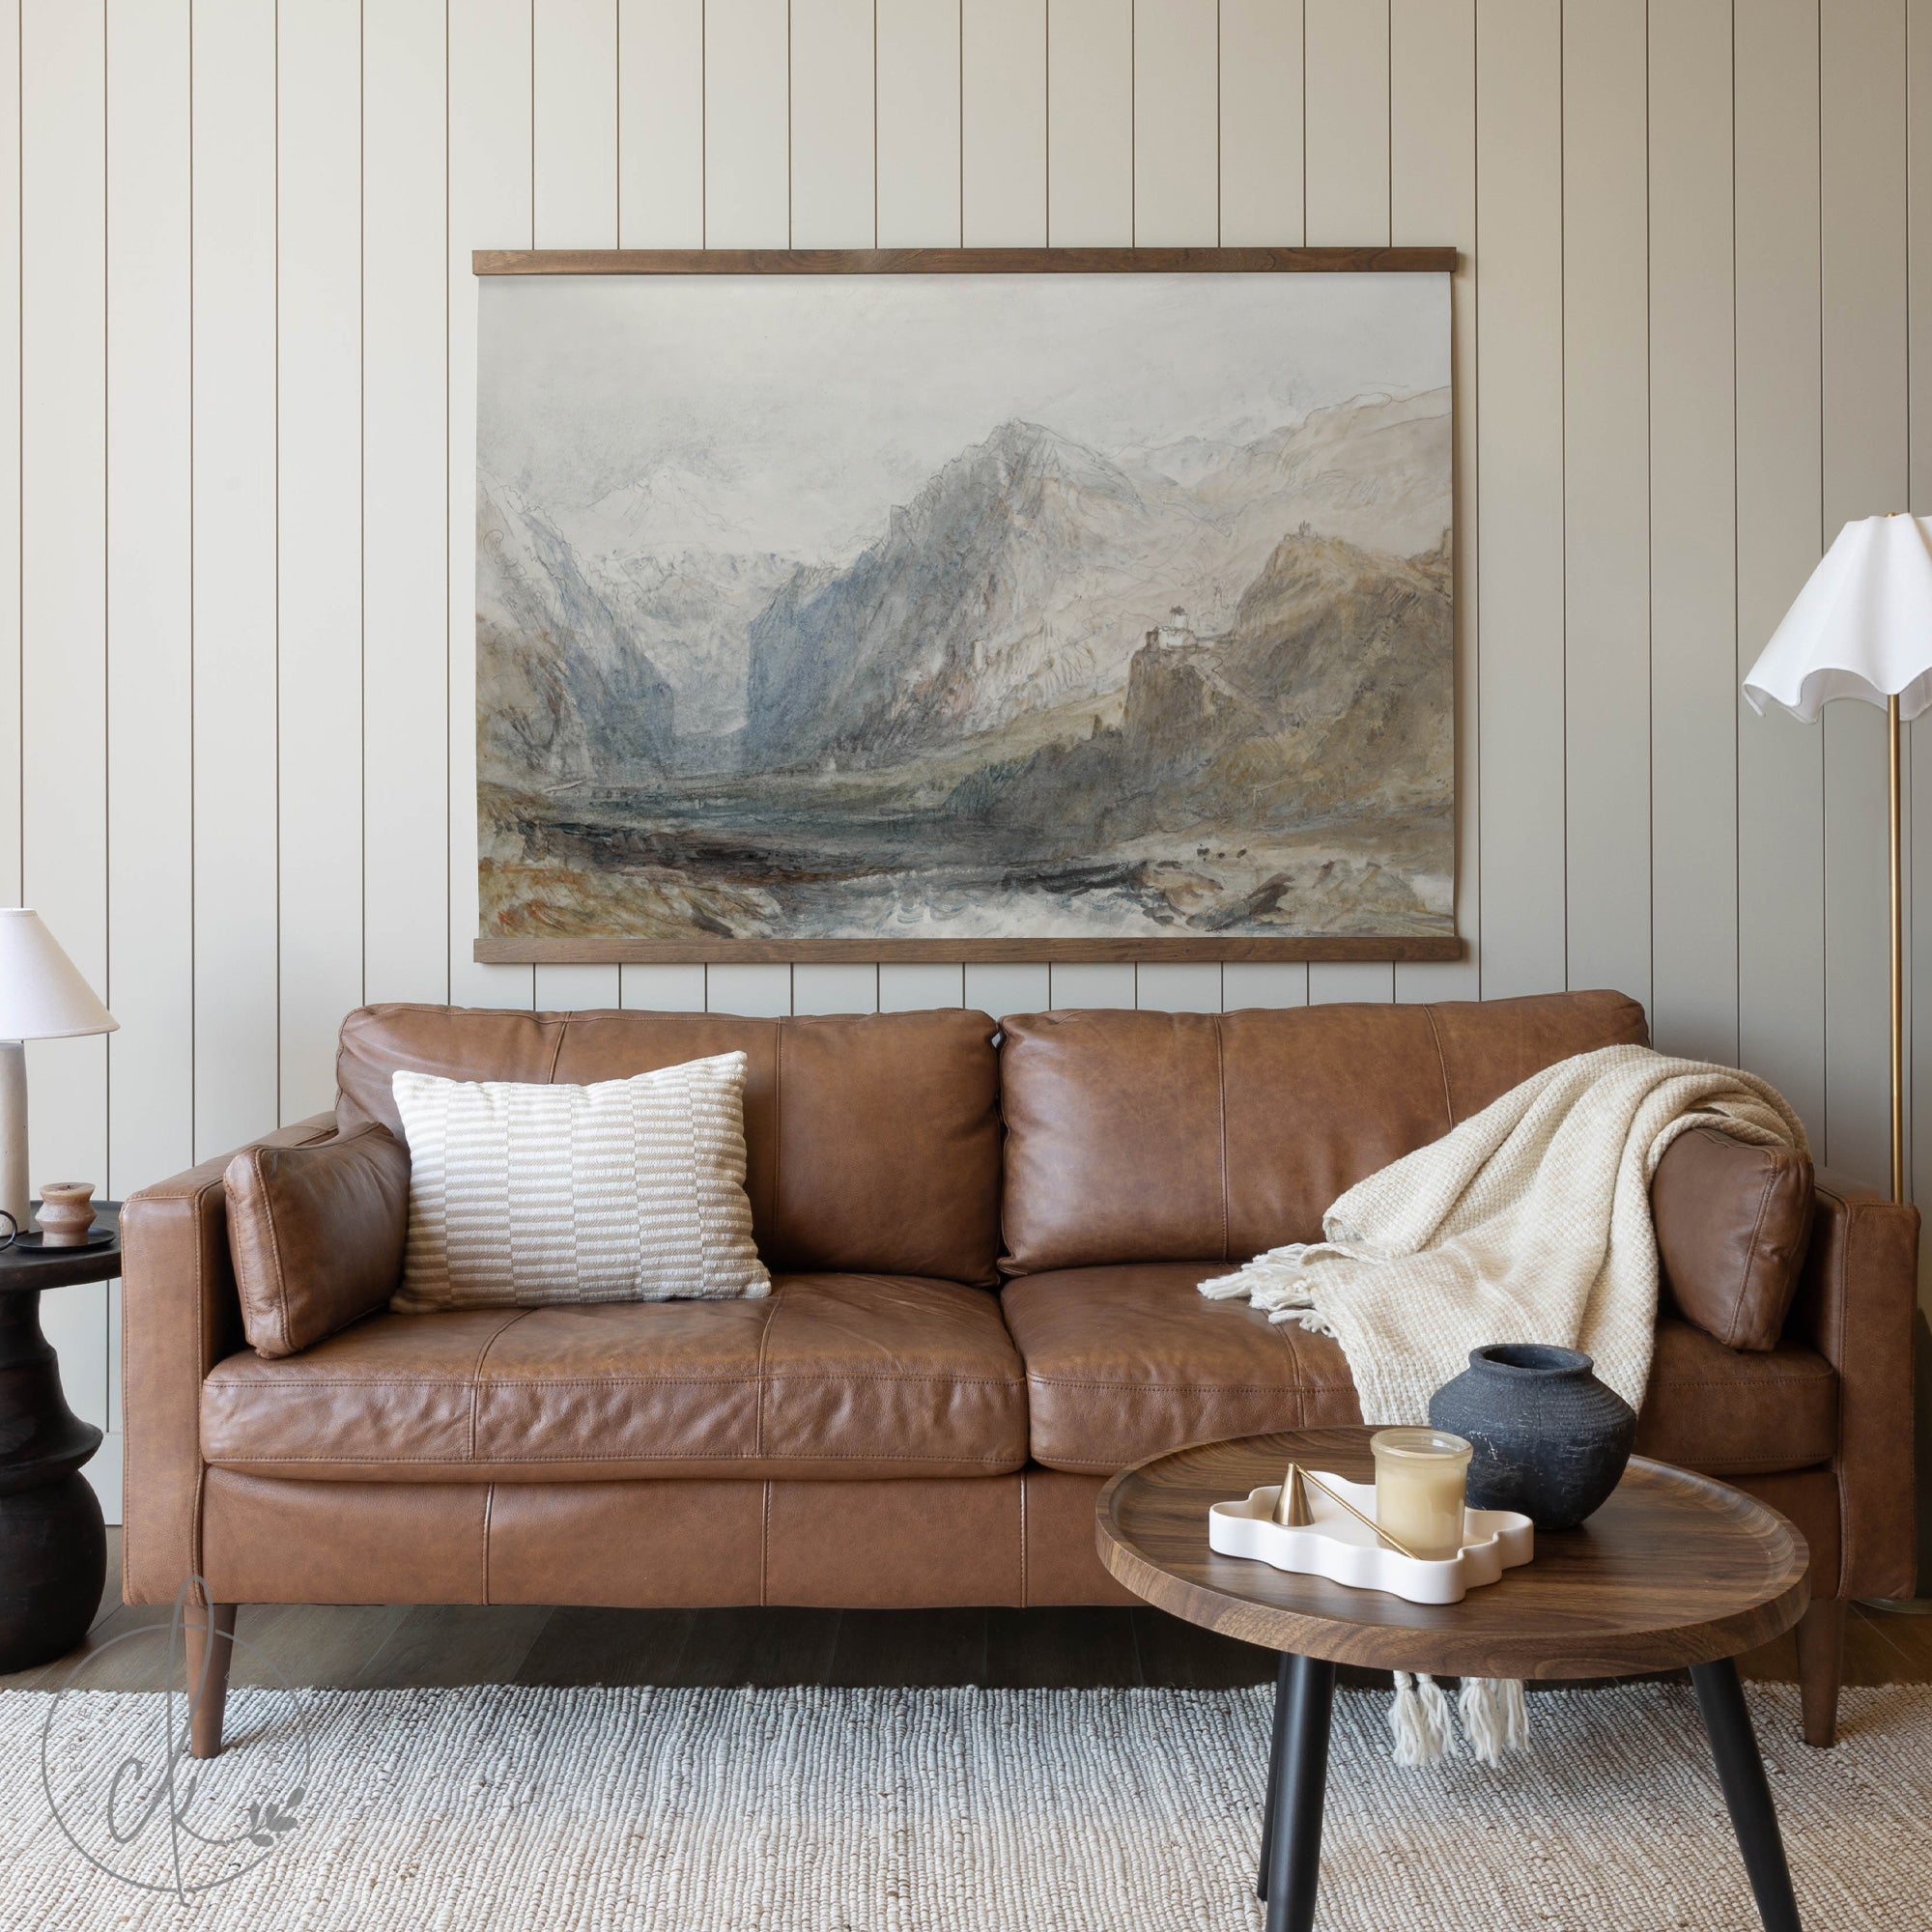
{"points": [[32, 1243]]}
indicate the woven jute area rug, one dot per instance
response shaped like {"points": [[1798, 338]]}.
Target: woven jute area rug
{"points": [[847, 1810]]}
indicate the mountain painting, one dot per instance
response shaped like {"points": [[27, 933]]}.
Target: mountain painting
{"points": [[965, 608]]}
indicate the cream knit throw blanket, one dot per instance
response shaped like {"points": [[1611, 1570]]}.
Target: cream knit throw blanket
{"points": [[1530, 1222]]}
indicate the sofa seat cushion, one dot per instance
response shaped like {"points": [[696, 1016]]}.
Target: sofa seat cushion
{"points": [[831, 1376], [1127, 1362], [1731, 1412]]}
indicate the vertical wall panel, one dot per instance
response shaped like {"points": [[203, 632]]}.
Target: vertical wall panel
{"points": [[1263, 984], [488, 208], [319, 539], [1073, 985], [660, 124], [574, 122], [905, 989], [1861, 196], [758, 989], [1606, 496], [831, 126], [1090, 123], [1519, 458], [661, 168], [1781, 762], [834, 988], [1193, 986], [63, 684], [235, 778], [664, 989], [406, 508], [1009, 989], [150, 980], [150, 598], [574, 191], [1261, 122], [1693, 533], [1261, 203], [10, 748], [747, 131], [1433, 201], [63, 770], [1003, 124], [1918, 738], [1177, 122], [1345, 121], [1346, 138], [917, 53]]}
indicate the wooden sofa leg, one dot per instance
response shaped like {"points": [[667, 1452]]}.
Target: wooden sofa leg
{"points": [[207, 1694], [1821, 1666]]}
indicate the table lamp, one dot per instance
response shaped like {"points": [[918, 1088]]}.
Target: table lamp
{"points": [[1861, 627], [42, 997]]}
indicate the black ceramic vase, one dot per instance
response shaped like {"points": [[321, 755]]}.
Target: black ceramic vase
{"points": [[1550, 1440]]}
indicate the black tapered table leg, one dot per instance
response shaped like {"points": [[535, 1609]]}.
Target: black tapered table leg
{"points": [[1282, 1665], [1304, 1697], [1740, 1772]]}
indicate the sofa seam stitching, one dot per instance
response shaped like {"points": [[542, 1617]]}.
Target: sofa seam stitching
{"points": [[475, 1384], [771, 1314], [1221, 1088], [1847, 1530], [1441, 1066], [489, 1505], [1025, 1588], [281, 1385], [1194, 1388], [777, 1128], [1750, 1252], [588, 1456], [198, 1200]]}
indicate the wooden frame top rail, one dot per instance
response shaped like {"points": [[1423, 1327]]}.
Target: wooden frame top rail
{"points": [[958, 260]]}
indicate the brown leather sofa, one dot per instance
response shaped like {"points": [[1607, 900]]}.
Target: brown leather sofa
{"points": [[985, 1242]]}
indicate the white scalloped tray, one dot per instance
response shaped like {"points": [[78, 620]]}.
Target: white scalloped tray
{"points": [[1337, 1547]]}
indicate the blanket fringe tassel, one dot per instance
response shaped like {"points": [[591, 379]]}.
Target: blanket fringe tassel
{"points": [[1494, 1715]]}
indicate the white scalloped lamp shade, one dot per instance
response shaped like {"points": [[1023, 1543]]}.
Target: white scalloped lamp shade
{"points": [[1861, 627], [42, 995]]}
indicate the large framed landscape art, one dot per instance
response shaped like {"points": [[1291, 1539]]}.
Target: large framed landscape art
{"points": [[975, 604]]}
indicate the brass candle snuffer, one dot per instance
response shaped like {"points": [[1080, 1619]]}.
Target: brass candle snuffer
{"points": [[1292, 1511]]}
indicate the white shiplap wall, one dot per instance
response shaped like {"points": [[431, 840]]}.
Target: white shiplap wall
{"points": [[235, 531]]}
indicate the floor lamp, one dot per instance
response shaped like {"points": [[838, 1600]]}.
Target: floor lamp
{"points": [[1861, 627]]}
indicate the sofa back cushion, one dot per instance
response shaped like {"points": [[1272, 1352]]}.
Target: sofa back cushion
{"points": [[1150, 1137], [873, 1141]]}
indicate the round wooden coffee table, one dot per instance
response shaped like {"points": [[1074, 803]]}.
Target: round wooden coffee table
{"points": [[1674, 1569]]}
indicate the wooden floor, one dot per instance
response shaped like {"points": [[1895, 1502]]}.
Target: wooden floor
{"points": [[398, 1647]]}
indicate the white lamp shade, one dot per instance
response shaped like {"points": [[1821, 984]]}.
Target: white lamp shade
{"points": [[42, 993], [1861, 627]]}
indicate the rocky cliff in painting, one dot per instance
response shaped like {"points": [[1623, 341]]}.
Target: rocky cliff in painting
{"points": [[1205, 688]]}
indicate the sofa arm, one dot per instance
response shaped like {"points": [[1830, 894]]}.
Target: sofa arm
{"points": [[1855, 1305], [178, 1315]]}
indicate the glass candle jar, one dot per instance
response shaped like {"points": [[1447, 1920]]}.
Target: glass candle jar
{"points": [[1420, 1475]]}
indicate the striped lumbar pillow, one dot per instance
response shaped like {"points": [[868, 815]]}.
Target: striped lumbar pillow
{"points": [[629, 1190]]}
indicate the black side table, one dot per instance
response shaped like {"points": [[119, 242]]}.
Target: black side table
{"points": [[53, 1550]]}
